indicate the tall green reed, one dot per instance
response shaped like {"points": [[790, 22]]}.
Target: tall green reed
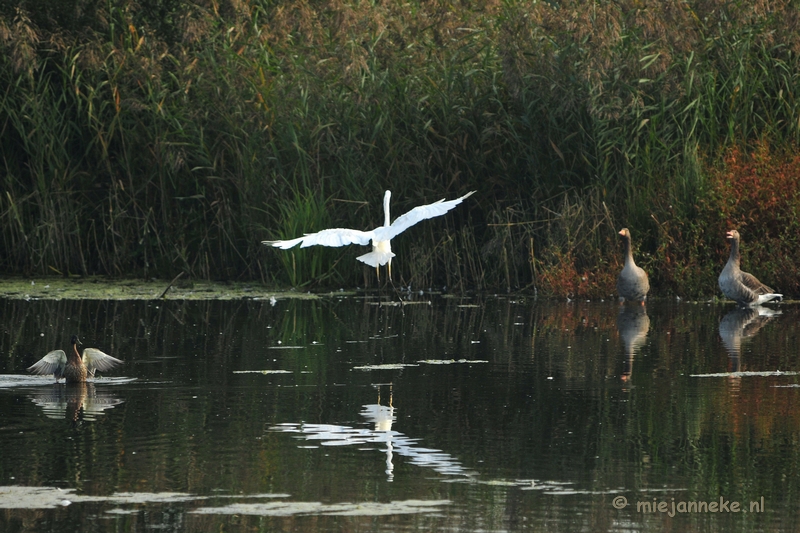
{"points": [[146, 147]]}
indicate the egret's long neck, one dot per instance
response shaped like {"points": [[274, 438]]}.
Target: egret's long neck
{"points": [[387, 220]]}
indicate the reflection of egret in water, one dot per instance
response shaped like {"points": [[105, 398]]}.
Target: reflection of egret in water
{"points": [[383, 417], [396, 443], [741, 323], [633, 325], [75, 401]]}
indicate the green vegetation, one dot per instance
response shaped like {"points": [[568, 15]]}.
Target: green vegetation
{"points": [[156, 137]]}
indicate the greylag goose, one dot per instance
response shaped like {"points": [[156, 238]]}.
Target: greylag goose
{"points": [[381, 236], [740, 286], [74, 368], [632, 283]]}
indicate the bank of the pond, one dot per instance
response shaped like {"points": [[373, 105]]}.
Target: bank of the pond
{"points": [[100, 288]]}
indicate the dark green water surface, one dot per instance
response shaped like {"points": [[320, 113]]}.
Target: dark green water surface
{"points": [[339, 414]]}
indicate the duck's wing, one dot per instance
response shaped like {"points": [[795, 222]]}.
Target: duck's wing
{"points": [[752, 283], [418, 214], [52, 363], [333, 237], [94, 359]]}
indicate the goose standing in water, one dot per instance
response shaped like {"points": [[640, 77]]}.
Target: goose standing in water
{"points": [[381, 236], [740, 286], [74, 368], [632, 283]]}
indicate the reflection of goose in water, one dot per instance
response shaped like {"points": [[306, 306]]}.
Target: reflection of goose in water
{"points": [[396, 443], [76, 401], [741, 323], [633, 325]]}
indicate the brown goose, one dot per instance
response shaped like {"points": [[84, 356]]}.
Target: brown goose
{"points": [[740, 286], [74, 368], [632, 283]]}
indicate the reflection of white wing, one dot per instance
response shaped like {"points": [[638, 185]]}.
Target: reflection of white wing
{"points": [[396, 442], [334, 237], [418, 214]]}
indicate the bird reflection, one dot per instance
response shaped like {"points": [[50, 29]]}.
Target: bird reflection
{"points": [[75, 402], [633, 325], [741, 323], [382, 417]]}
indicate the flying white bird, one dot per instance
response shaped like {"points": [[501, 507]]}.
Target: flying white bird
{"points": [[381, 236]]}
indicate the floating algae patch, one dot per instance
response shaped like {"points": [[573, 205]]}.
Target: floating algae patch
{"points": [[451, 361], [17, 497], [391, 366], [772, 373], [335, 509], [34, 497], [99, 288], [263, 372], [32, 380], [285, 347]]}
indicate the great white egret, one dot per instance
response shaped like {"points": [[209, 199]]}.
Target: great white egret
{"points": [[740, 286], [74, 368], [381, 236]]}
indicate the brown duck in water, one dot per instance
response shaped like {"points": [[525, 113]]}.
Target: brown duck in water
{"points": [[74, 368], [740, 286], [632, 283]]}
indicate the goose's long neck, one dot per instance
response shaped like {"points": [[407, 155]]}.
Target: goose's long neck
{"points": [[386, 220], [628, 251], [735, 256]]}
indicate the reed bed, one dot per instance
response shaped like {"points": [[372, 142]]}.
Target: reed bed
{"points": [[148, 142]]}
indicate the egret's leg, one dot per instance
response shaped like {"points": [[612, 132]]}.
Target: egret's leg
{"points": [[390, 269]]}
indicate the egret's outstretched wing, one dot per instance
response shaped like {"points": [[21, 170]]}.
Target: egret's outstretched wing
{"points": [[418, 214], [52, 363], [328, 237], [94, 359]]}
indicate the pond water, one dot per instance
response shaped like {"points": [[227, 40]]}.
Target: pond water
{"points": [[449, 414]]}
